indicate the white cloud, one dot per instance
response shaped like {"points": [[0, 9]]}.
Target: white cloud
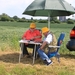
{"points": [[14, 2], [72, 2], [17, 7], [13, 7]]}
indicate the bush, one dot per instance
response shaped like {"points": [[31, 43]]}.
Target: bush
{"points": [[5, 18], [52, 22], [21, 20], [12, 20], [43, 21], [70, 21], [57, 21]]}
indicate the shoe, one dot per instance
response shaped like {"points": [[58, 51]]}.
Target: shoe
{"points": [[47, 63]]}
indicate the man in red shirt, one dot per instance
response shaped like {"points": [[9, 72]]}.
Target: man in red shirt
{"points": [[31, 34]]}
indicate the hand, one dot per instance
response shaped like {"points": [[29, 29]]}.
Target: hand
{"points": [[40, 48], [37, 41], [32, 39]]}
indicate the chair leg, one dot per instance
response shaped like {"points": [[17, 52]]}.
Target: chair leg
{"points": [[58, 57], [35, 53]]}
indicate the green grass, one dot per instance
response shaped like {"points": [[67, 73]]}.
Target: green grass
{"points": [[29, 70], [11, 33]]}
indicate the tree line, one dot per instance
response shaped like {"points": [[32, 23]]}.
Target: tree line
{"points": [[5, 17]]}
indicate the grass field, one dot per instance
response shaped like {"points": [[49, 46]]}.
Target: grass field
{"points": [[11, 33]]}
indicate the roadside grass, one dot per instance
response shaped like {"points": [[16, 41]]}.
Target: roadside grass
{"points": [[11, 33]]}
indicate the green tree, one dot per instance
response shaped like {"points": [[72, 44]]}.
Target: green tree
{"points": [[53, 18], [70, 21], [15, 18], [23, 18], [5, 17]]}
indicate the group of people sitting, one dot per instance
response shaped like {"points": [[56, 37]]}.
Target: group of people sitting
{"points": [[33, 34]]}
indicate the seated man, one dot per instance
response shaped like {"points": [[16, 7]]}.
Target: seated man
{"points": [[49, 39], [31, 34]]}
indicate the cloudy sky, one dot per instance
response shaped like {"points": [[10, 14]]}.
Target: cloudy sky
{"points": [[17, 7]]}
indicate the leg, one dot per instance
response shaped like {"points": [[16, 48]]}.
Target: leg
{"points": [[58, 57], [44, 57], [36, 53], [36, 47], [31, 46], [24, 49]]}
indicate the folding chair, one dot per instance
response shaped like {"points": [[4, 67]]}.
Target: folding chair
{"points": [[56, 54]]}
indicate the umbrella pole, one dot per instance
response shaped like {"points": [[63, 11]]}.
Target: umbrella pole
{"points": [[48, 20]]}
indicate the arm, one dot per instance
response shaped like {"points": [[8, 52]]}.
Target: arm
{"points": [[47, 41], [26, 35], [43, 45], [37, 37]]}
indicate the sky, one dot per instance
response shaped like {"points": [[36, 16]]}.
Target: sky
{"points": [[17, 7]]}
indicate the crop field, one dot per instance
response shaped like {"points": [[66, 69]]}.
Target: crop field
{"points": [[11, 33]]}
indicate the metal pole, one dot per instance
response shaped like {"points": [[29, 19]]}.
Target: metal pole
{"points": [[48, 20], [34, 54]]}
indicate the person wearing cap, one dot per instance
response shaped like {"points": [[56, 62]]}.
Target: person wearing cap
{"points": [[49, 39], [32, 34]]}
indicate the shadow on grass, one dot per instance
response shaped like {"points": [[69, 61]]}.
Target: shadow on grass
{"points": [[14, 58]]}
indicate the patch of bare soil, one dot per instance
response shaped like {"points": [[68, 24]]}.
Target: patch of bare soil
{"points": [[10, 59]]}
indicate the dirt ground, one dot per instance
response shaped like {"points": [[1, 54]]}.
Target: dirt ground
{"points": [[9, 59]]}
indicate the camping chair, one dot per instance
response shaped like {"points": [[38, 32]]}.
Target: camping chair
{"points": [[56, 54]]}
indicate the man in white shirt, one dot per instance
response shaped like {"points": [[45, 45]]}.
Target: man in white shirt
{"points": [[48, 40]]}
